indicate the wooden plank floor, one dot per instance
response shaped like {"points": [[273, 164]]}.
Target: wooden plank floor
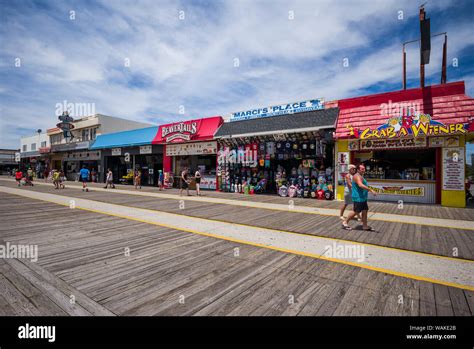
{"points": [[169, 272], [428, 239], [411, 209]]}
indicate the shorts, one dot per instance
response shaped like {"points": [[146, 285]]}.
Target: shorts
{"points": [[360, 206], [84, 180], [198, 180], [347, 197], [184, 185]]}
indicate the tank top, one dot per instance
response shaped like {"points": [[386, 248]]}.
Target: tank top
{"points": [[359, 194]]}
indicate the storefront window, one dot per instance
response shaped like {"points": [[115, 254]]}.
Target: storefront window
{"points": [[399, 164]]}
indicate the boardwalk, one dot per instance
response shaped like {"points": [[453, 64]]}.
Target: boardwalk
{"points": [[84, 254]]}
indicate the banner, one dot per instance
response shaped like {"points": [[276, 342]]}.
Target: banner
{"points": [[386, 143], [398, 190], [453, 169]]}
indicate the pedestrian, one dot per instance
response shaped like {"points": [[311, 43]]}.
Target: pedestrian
{"points": [[197, 178], [138, 178], [29, 176], [93, 175], [46, 174], [160, 180], [62, 180], [348, 191], [84, 175], [184, 182], [109, 180], [360, 193], [18, 176], [56, 179]]}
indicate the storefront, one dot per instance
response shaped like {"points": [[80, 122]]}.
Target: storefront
{"points": [[411, 142], [72, 156], [291, 154], [127, 151], [189, 144]]}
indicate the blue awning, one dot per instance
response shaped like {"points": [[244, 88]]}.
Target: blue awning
{"points": [[141, 136]]}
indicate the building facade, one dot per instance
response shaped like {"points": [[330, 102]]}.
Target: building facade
{"points": [[72, 154], [412, 143]]}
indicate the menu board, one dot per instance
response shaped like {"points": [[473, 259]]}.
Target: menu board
{"points": [[387, 143], [342, 166], [198, 148], [453, 169]]}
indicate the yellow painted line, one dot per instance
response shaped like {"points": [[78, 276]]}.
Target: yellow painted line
{"points": [[335, 260], [250, 204]]}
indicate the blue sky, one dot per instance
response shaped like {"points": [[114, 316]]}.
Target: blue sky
{"points": [[182, 68]]}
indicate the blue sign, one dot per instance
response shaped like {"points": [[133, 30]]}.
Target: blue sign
{"points": [[281, 109]]}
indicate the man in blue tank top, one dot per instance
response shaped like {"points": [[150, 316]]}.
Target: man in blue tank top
{"points": [[360, 192]]}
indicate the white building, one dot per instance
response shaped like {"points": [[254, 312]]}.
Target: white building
{"points": [[72, 154]]}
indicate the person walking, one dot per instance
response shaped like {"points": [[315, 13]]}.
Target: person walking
{"points": [[348, 191], [46, 174], [18, 176], [56, 179], [84, 175], [197, 178], [360, 192], [93, 175], [62, 180], [161, 178], [138, 179], [184, 182], [109, 180]]}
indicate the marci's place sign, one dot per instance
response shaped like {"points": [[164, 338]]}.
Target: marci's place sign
{"points": [[280, 109], [413, 126]]}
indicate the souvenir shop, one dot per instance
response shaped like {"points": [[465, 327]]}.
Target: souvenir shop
{"points": [[412, 143], [189, 144], [289, 155]]}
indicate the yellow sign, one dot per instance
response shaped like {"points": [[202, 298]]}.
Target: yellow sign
{"points": [[424, 129], [398, 190]]}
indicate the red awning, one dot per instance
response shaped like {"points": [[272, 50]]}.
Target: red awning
{"points": [[188, 131], [446, 104]]}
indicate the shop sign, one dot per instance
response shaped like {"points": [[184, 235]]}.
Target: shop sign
{"points": [[66, 124], [386, 143], [398, 190], [280, 109], [17, 157], [44, 150], [453, 169], [452, 141], [145, 149], [182, 131], [342, 166], [116, 151], [82, 145], [353, 145], [413, 126], [197, 148]]}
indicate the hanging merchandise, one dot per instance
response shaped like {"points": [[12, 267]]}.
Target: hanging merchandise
{"points": [[271, 148]]}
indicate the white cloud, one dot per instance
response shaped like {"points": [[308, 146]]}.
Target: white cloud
{"points": [[190, 62]]}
